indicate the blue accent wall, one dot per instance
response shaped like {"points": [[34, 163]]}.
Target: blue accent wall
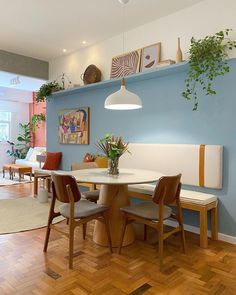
{"points": [[165, 118]]}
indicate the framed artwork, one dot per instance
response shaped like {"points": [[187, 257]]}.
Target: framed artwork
{"points": [[150, 57], [74, 126], [129, 63]]}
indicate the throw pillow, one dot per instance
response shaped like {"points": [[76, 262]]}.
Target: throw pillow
{"points": [[52, 161]]}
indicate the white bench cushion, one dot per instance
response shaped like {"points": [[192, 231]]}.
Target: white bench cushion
{"points": [[172, 159], [185, 195]]}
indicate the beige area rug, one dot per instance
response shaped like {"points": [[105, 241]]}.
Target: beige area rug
{"points": [[24, 214], [7, 181]]}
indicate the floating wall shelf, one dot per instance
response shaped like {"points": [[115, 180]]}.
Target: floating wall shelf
{"points": [[158, 72]]}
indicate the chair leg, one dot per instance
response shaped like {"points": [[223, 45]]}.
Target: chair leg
{"points": [[47, 236], [105, 216], [71, 244], [160, 244], [182, 237], [84, 230], [50, 219], [181, 224], [122, 235]]}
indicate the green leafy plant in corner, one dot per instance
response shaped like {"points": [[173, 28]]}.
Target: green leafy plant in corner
{"points": [[20, 149], [207, 60], [46, 90]]}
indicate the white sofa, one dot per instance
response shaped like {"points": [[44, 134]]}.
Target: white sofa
{"points": [[30, 159]]}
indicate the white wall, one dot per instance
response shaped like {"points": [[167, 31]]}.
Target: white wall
{"points": [[204, 18], [20, 114]]}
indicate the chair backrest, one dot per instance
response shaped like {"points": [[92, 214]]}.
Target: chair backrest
{"points": [[168, 188], [60, 182], [87, 165]]}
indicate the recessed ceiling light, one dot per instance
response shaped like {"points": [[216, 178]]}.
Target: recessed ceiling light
{"points": [[84, 42], [64, 50]]}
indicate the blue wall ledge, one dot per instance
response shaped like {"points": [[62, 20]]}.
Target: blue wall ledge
{"points": [[147, 75]]}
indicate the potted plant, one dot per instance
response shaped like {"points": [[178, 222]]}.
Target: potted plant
{"points": [[207, 60], [36, 119], [113, 148], [46, 90]]}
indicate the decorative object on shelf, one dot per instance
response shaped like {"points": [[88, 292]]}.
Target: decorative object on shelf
{"points": [[88, 158], [150, 57], [46, 90], [65, 78], [207, 60], [179, 54], [102, 161], [113, 148], [91, 75], [123, 99], [74, 126], [165, 63], [125, 64]]}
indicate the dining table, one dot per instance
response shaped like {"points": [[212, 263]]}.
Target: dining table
{"points": [[114, 194]]}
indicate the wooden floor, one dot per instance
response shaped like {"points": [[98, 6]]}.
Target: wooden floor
{"points": [[24, 269]]}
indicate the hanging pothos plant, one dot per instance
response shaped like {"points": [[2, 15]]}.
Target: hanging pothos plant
{"points": [[207, 60], [46, 90]]}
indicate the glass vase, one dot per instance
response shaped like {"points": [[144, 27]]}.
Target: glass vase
{"points": [[113, 166]]}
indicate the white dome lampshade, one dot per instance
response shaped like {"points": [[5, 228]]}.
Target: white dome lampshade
{"points": [[123, 99]]}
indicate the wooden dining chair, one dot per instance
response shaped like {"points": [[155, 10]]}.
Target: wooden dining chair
{"points": [[92, 194], [154, 213], [79, 212]]}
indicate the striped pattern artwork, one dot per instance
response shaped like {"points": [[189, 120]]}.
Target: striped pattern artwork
{"points": [[131, 64]]}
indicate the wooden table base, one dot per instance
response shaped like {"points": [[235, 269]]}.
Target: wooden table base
{"points": [[114, 196]]}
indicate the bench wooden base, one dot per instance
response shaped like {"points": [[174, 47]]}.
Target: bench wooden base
{"points": [[202, 209]]}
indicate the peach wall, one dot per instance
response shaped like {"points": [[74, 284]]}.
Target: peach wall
{"points": [[39, 137]]}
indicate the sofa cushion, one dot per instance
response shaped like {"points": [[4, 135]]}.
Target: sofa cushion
{"points": [[23, 162], [185, 195], [52, 161], [29, 153]]}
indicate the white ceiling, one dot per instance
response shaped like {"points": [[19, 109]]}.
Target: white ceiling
{"points": [[21, 92], [42, 28]]}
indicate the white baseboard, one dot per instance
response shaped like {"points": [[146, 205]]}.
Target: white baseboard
{"points": [[196, 230]]}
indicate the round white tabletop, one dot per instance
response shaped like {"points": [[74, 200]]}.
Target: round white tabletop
{"points": [[126, 176]]}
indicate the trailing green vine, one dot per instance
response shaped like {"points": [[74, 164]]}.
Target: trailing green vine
{"points": [[207, 60], [46, 90]]}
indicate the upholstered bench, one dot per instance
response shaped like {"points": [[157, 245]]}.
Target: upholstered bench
{"points": [[200, 165], [191, 200]]}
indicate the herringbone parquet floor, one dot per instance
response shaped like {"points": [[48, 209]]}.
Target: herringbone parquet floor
{"points": [[25, 270]]}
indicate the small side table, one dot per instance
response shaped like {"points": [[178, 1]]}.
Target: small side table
{"points": [[41, 159], [6, 168]]}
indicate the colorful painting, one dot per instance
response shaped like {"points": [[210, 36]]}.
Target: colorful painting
{"points": [[150, 57], [74, 126], [125, 64]]}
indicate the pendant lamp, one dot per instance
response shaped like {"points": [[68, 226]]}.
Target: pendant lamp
{"points": [[123, 99]]}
